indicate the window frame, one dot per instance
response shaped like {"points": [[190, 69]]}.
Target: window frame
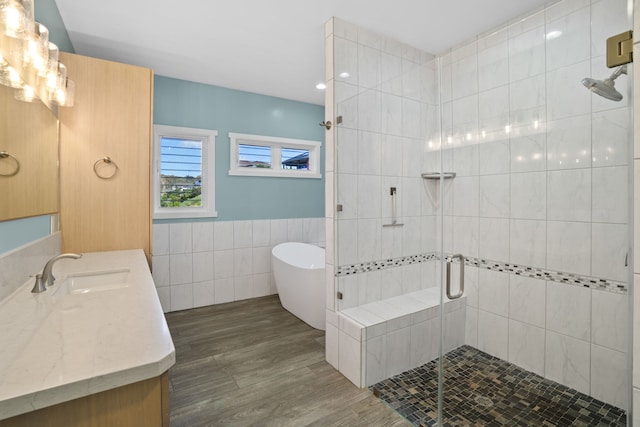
{"points": [[276, 144], [208, 139]]}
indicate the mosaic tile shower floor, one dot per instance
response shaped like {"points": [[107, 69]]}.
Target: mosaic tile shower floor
{"points": [[517, 397]]}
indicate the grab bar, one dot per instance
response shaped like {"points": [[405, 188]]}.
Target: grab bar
{"points": [[461, 291]]}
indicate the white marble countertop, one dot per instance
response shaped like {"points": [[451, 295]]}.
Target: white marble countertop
{"points": [[56, 348]]}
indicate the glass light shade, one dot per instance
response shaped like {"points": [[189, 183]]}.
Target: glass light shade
{"points": [[64, 95], [9, 77], [36, 50], [56, 77], [13, 21], [26, 94]]}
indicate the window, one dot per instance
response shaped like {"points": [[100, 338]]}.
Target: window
{"points": [[272, 156], [183, 175]]}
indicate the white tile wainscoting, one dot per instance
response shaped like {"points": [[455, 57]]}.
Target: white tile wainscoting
{"points": [[204, 263]]}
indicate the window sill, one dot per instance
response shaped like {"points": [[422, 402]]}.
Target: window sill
{"points": [[183, 213], [274, 174]]}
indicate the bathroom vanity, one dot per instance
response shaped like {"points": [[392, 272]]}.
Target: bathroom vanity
{"points": [[93, 349]]}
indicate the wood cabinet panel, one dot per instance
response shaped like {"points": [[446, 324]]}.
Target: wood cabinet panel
{"points": [[112, 116], [140, 404]]}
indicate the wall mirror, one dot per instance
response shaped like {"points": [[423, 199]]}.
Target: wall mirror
{"points": [[28, 141]]}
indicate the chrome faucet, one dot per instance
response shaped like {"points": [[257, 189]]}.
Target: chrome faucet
{"points": [[46, 278]]}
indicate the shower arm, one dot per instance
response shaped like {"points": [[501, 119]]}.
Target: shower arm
{"points": [[619, 71]]}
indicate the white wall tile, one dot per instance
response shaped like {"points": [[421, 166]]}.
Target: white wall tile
{"points": [[261, 260], [609, 376], [494, 197], [569, 310], [610, 243], [609, 320], [569, 247], [278, 231], [202, 266], [528, 195], [559, 350], [528, 149], [494, 109], [494, 157], [242, 262], [465, 237], [527, 101], [526, 346], [573, 43], [180, 238], [294, 230], [181, 269], [242, 234], [465, 196], [564, 97], [347, 241], [528, 244], [223, 264], [368, 239], [494, 239], [610, 194], [181, 297], [202, 239], [332, 346], [569, 195], [376, 360], [261, 233], [223, 290], [223, 235], [526, 53], [161, 275], [203, 293], [493, 64], [349, 358], [398, 361], [493, 292], [261, 285], [471, 327], [527, 300], [610, 136], [160, 239], [493, 334], [569, 143], [242, 288], [464, 76], [608, 17]]}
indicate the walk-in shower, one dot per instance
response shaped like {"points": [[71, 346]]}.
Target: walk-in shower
{"points": [[606, 87], [537, 215]]}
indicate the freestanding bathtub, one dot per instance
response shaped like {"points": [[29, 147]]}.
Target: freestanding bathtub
{"points": [[298, 269]]}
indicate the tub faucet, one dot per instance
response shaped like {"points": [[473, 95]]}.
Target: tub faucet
{"points": [[46, 278]]}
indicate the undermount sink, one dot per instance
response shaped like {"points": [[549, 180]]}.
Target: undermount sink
{"points": [[90, 282]]}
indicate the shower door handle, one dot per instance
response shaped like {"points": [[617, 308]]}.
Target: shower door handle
{"points": [[461, 290]]}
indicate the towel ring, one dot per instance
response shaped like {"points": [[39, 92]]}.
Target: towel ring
{"points": [[5, 155], [107, 160]]}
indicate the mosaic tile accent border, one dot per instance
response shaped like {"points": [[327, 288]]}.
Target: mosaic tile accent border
{"points": [[503, 267], [482, 390]]}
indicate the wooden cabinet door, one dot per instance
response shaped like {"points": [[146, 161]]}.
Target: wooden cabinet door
{"points": [[111, 117]]}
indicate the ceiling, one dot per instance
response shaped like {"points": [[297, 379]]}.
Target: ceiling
{"points": [[270, 47]]}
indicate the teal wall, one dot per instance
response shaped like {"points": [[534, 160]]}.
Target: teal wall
{"points": [[16, 233], [189, 104], [47, 13]]}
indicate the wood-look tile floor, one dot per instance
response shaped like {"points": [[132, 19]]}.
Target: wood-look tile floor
{"points": [[252, 363]]}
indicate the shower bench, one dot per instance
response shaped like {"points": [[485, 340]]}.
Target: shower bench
{"points": [[397, 334]]}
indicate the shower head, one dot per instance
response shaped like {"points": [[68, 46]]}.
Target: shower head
{"points": [[606, 88]]}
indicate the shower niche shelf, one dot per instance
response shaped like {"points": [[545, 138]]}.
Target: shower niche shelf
{"points": [[438, 175]]}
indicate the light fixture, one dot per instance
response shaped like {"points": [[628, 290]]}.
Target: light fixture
{"points": [[28, 61], [321, 86]]}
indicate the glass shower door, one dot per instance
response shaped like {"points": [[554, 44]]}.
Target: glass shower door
{"points": [[533, 225]]}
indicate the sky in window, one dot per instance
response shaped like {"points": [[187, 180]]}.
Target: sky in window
{"points": [[180, 157]]}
